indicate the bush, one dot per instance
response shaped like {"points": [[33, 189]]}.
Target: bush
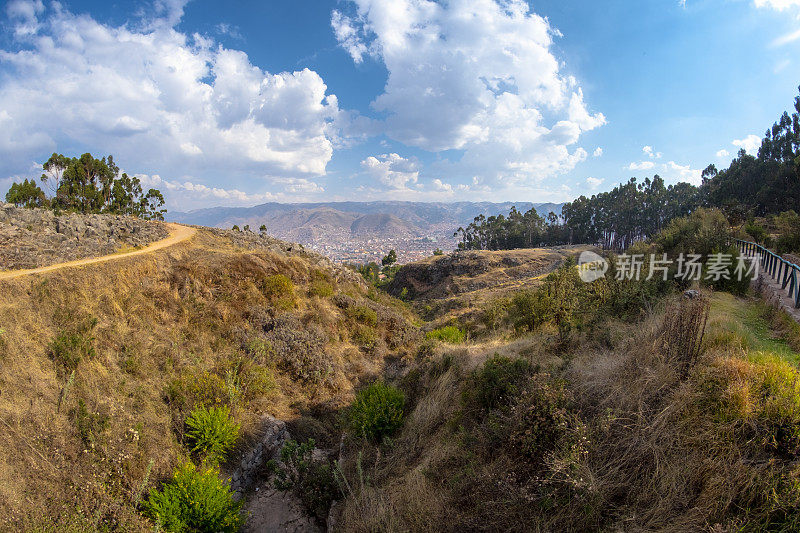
{"points": [[527, 311], [299, 349], [789, 227], [320, 288], [363, 315], [756, 232], [449, 334], [195, 500], [497, 383], [364, 336], [212, 432], [279, 289], [730, 281], [312, 481], [377, 412], [190, 390], [702, 232]]}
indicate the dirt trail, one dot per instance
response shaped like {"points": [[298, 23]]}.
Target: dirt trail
{"points": [[177, 233]]}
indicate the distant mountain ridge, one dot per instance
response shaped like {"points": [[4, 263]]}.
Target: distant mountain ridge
{"points": [[360, 231], [419, 214]]}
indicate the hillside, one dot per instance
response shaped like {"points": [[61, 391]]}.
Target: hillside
{"points": [[102, 365], [505, 394], [379, 224], [463, 285]]}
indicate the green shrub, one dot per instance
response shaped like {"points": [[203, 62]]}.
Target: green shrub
{"points": [[788, 224], [279, 289], [364, 336], [312, 481], [449, 334], [363, 315], [497, 383], [494, 314], [527, 311], [72, 345], [702, 232], [756, 231], [212, 432], [257, 381], [320, 288], [259, 349], [195, 500], [736, 283], [377, 412]]}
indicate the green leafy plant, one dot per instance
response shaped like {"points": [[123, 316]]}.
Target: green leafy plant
{"points": [[320, 288], [195, 500], [377, 412], [212, 432], [449, 334]]}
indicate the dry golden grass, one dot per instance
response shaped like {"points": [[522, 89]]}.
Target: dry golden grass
{"points": [[178, 312], [674, 442]]}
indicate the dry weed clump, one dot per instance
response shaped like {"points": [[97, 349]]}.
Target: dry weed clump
{"points": [[684, 326]]}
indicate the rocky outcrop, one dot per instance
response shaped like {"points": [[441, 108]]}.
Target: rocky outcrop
{"points": [[267, 508], [252, 466], [31, 238]]}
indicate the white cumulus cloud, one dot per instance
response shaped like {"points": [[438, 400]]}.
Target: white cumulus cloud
{"points": [[641, 165], [673, 173], [158, 99], [392, 170], [652, 154], [751, 143], [594, 182], [597, 152], [723, 153], [472, 75]]}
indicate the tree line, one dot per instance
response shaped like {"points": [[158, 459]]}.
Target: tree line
{"points": [[88, 185], [762, 185]]}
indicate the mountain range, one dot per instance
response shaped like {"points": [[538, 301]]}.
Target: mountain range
{"points": [[359, 231], [374, 218]]}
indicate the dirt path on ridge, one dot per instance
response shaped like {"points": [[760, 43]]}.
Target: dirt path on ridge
{"points": [[177, 233]]}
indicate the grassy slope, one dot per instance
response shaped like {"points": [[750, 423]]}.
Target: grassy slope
{"points": [[169, 326], [633, 446]]}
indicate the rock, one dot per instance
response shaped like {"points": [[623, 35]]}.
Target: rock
{"points": [[31, 238], [691, 294], [274, 436]]}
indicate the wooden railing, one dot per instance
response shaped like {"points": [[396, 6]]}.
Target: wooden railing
{"points": [[786, 273]]}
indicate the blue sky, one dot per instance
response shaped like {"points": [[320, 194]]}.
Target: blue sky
{"points": [[242, 102]]}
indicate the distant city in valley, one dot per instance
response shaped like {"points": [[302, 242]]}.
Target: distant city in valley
{"points": [[360, 232]]}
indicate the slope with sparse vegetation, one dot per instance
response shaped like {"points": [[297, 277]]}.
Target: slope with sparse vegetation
{"points": [[130, 388]]}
